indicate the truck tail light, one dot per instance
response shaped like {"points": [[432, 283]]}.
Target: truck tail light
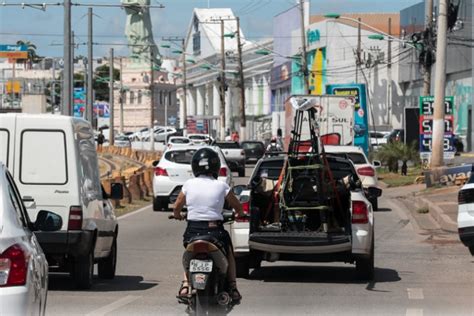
{"points": [[160, 172], [223, 172], [13, 266], [360, 213], [75, 218], [246, 210], [366, 171]]}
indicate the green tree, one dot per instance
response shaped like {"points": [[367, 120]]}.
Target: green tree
{"points": [[101, 82], [389, 154]]}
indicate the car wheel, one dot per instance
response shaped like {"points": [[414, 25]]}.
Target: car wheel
{"points": [[471, 250], [242, 266], [107, 266], [375, 204], [242, 172], [160, 204], [83, 271], [365, 266]]}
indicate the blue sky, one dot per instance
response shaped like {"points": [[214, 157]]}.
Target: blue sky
{"points": [[45, 28]]}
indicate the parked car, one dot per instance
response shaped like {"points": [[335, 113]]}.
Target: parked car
{"points": [[364, 168], [466, 214], [348, 236], [377, 139], [235, 156], [161, 134], [178, 141], [173, 169], [122, 141], [254, 150], [23, 265], [200, 139], [54, 162]]}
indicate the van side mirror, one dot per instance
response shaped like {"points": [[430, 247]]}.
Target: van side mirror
{"points": [[48, 221], [376, 163], [116, 191]]}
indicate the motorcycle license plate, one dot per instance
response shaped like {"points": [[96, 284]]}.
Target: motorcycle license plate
{"points": [[200, 266]]}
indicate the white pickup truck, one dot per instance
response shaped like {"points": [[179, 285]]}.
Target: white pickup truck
{"points": [[234, 155]]}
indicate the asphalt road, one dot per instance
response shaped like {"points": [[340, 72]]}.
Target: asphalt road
{"points": [[418, 272]]}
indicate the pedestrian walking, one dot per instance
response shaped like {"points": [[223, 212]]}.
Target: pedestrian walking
{"points": [[100, 141]]}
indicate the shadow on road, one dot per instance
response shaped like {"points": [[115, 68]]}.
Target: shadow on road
{"points": [[321, 274], [63, 282]]}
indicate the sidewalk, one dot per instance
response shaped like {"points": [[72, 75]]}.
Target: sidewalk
{"points": [[442, 204]]}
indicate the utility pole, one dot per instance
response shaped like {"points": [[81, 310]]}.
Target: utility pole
{"points": [[303, 47], [222, 110], [67, 84], [183, 124], [111, 97], [71, 75], [121, 97], [243, 121], [440, 85], [90, 71], [53, 86], [389, 73], [152, 102], [358, 50], [185, 90], [429, 25]]}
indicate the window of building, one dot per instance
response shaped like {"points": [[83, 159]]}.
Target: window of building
{"points": [[132, 97], [139, 97]]}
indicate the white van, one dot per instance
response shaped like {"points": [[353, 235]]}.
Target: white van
{"points": [[54, 163]]}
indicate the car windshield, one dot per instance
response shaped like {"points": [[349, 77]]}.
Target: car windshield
{"points": [[356, 158], [228, 145], [376, 135], [252, 145], [180, 156], [198, 137], [270, 169]]}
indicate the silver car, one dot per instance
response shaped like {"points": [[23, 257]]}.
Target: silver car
{"points": [[23, 265]]}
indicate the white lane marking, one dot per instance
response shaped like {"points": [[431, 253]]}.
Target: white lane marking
{"points": [[414, 312], [134, 212], [415, 294], [113, 306]]}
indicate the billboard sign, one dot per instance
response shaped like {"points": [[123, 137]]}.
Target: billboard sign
{"points": [[426, 127], [361, 124], [13, 51], [79, 96]]}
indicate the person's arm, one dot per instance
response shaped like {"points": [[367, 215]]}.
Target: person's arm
{"points": [[235, 203], [178, 206]]}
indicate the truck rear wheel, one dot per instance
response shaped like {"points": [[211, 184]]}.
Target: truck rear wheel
{"points": [[107, 266]]}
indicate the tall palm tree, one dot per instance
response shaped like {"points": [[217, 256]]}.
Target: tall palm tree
{"points": [[32, 56]]}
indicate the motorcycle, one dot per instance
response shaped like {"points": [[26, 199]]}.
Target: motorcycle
{"points": [[205, 263]]}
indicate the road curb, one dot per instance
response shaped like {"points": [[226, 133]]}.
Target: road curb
{"points": [[438, 215]]}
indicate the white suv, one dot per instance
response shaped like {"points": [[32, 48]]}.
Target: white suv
{"points": [[364, 168], [466, 214], [174, 169]]}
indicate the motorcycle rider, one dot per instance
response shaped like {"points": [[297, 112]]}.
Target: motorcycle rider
{"points": [[204, 197], [273, 146]]}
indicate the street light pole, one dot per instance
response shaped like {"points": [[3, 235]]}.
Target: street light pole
{"points": [[185, 90], [90, 71], [303, 47], [111, 98], [152, 102], [429, 23], [67, 84], [440, 86], [222, 110]]}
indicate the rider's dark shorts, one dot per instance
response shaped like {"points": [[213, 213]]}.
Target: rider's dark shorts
{"points": [[215, 229]]}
